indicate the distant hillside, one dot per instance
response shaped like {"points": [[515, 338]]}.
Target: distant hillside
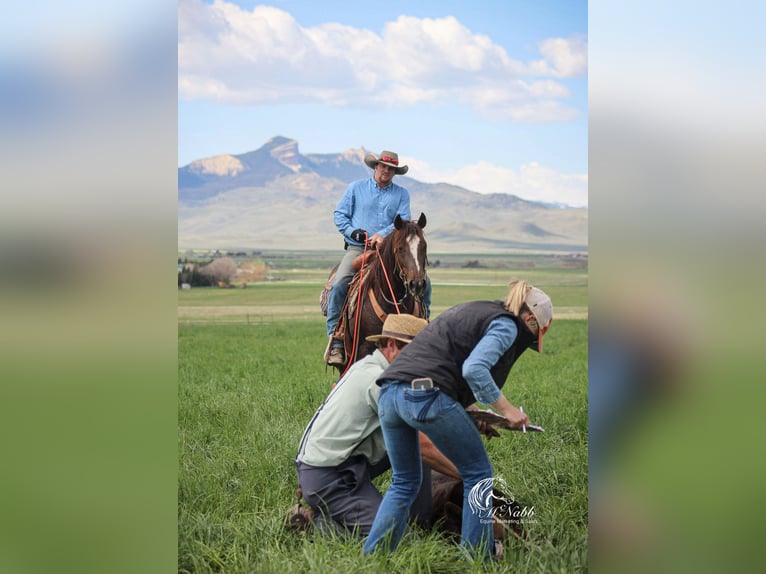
{"points": [[277, 198]]}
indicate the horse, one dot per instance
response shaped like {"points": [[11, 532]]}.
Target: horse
{"points": [[392, 280]]}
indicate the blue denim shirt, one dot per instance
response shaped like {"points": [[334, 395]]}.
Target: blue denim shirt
{"points": [[366, 206], [497, 339]]}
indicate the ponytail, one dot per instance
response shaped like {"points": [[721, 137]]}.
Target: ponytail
{"points": [[517, 294]]}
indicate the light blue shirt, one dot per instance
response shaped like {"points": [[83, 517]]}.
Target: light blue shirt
{"points": [[366, 206], [497, 339]]}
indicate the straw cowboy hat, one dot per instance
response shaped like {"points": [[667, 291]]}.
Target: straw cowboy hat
{"points": [[386, 158], [402, 327]]}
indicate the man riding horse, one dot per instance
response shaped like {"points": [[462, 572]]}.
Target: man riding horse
{"points": [[365, 215]]}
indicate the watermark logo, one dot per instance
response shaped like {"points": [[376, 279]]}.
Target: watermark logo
{"points": [[488, 500]]}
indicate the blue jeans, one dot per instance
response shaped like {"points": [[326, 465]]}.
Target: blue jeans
{"points": [[339, 288], [403, 412], [340, 284]]}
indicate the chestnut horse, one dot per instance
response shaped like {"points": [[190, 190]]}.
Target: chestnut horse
{"points": [[393, 280]]}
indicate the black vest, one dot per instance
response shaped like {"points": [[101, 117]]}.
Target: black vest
{"points": [[440, 349]]}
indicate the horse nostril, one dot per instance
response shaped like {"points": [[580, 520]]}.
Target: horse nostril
{"points": [[417, 287]]}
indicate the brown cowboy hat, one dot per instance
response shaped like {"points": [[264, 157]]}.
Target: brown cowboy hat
{"points": [[402, 327], [386, 158]]}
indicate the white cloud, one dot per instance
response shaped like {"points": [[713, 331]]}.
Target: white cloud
{"points": [[441, 52], [524, 102], [230, 55], [532, 181], [564, 58]]}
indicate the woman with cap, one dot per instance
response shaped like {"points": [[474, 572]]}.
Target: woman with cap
{"points": [[365, 214], [464, 355]]}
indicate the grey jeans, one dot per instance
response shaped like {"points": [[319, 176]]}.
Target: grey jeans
{"points": [[345, 500]]}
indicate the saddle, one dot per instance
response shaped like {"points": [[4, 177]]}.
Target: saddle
{"points": [[344, 330], [359, 262]]}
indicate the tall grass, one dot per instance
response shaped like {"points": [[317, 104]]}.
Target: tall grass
{"points": [[246, 393]]}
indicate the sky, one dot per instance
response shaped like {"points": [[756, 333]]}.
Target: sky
{"points": [[488, 95]]}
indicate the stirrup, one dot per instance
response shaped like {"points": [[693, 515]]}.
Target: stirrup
{"points": [[337, 357], [326, 354]]}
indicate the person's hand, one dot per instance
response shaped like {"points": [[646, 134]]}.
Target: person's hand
{"points": [[375, 240], [487, 429], [516, 417], [359, 235]]}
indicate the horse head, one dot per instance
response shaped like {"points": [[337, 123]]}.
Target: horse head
{"points": [[409, 247]]}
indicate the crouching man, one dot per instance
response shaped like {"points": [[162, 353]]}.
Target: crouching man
{"points": [[342, 448]]}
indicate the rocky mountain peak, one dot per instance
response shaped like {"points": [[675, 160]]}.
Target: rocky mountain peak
{"points": [[247, 190], [285, 151], [217, 165], [355, 154]]}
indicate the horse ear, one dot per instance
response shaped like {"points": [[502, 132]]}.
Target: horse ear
{"points": [[398, 221], [422, 220]]}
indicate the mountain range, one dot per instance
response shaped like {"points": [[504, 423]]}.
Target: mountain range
{"points": [[277, 198]]}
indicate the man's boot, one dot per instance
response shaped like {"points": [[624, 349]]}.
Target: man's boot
{"points": [[335, 355]]}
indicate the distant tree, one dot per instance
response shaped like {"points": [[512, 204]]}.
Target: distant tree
{"points": [[252, 271], [198, 279], [220, 270]]}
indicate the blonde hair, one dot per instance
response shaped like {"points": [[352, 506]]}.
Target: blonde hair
{"points": [[517, 295]]}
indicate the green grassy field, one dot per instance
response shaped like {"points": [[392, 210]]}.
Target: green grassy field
{"points": [[296, 294], [248, 387]]}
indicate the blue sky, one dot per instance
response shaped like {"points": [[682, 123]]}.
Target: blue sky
{"points": [[488, 95]]}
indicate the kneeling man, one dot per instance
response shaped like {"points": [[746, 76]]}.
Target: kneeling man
{"points": [[342, 449]]}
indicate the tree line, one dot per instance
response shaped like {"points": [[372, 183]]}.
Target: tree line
{"points": [[221, 272]]}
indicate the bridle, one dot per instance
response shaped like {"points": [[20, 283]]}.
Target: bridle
{"points": [[400, 270], [393, 301]]}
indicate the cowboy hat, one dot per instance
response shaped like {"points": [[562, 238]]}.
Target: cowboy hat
{"points": [[402, 327], [386, 158]]}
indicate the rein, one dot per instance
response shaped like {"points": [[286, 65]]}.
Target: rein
{"points": [[356, 312], [360, 290], [391, 287]]}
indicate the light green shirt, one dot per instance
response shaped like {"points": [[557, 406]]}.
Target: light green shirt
{"points": [[347, 423]]}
